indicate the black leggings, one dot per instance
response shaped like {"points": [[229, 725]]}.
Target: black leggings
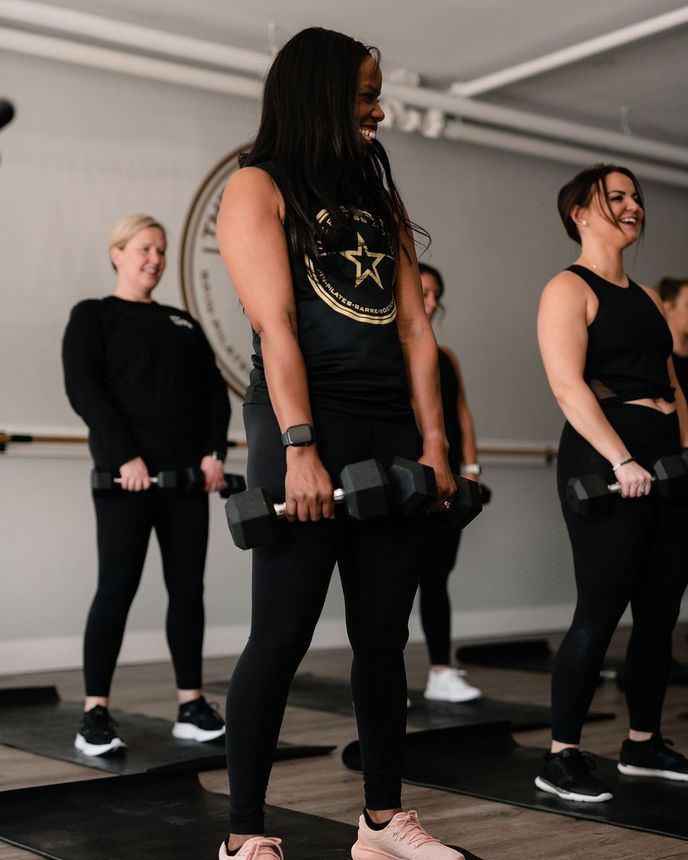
{"points": [[442, 547], [637, 555], [124, 522], [379, 561]]}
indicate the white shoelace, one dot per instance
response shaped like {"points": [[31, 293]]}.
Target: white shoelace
{"points": [[406, 827]]}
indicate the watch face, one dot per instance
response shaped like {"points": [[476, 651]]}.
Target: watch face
{"points": [[300, 434]]}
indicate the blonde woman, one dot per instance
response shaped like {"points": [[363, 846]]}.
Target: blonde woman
{"points": [[143, 378]]}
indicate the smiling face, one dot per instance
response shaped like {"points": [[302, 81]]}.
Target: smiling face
{"points": [[368, 110], [141, 262], [616, 220]]}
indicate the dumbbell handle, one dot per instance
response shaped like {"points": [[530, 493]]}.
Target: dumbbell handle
{"points": [[150, 478], [616, 487], [281, 507]]}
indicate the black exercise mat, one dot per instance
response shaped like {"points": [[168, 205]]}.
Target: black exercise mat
{"points": [[485, 761], [38, 721], [334, 696], [156, 816], [536, 655]]}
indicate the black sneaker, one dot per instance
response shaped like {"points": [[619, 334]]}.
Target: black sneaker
{"points": [[198, 721], [567, 774], [97, 733], [652, 758]]}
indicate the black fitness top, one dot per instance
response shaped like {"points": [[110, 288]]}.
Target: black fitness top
{"points": [[346, 317], [681, 368], [629, 343], [144, 379], [450, 391]]}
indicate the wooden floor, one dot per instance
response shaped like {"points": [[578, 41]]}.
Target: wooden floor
{"points": [[321, 786]]}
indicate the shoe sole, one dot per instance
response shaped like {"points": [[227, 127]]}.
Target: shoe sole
{"points": [[632, 770], [189, 732], [86, 748], [572, 795], [470, 698], [368, 852]]}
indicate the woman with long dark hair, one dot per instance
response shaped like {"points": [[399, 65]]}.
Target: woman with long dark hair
{"points": [[320, 250], [606, 348], [446, 683]]}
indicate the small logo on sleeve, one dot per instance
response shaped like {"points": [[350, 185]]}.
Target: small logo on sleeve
{"points": [[177, 320]]}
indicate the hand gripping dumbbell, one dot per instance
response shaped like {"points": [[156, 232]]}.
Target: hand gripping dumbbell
{"points": [[106, 482], [252, 515], [590, 496], [192, 479], [414, 491]]}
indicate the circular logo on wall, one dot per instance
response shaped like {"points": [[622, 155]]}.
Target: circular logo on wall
{"points": [[206, 286]]}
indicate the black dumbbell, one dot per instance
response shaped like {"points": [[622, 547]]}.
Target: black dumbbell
{"points": [[106, 482], [590, 496], [252, 515], [413, 487], [192, 480], [414, 491], [466, 504]]}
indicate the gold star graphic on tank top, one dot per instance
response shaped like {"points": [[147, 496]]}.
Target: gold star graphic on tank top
{"points": [[356, 257]]}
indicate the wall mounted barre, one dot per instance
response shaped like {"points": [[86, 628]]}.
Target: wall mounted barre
{"points": [[53, 439], [546, 453]]}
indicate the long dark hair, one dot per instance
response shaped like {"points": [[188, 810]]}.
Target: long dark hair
{"points": [[308, 131], [579, 192]]}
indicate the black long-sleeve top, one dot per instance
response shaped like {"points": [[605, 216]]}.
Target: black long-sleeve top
{"points": [[143, 377]]}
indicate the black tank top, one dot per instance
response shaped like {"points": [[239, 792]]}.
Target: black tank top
{"points": [[629, 343], [346, 315], [449, 387]]}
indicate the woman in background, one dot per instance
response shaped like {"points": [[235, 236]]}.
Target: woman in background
{"points": [[143, 378]]}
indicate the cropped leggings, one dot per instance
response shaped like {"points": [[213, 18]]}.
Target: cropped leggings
{"points": [[637, 555], [124, 524], [378, 560]]}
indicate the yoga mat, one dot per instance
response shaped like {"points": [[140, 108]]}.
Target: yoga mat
{"points": [[36, 720], [156, 816], [334, 696], [485, 761]]}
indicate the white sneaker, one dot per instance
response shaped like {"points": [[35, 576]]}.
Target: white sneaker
{"points": [[448, 685]]}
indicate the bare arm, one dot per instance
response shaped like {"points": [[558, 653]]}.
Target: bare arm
{"points": [[469, 446], [420, 357], [566, 308], [254, 248]]}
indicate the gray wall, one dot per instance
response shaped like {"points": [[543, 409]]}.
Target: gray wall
{"points": [[87, 146]]}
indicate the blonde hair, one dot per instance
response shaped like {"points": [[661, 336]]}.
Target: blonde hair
{"points": [[127, 227]]}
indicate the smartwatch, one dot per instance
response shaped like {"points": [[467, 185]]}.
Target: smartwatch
{"points": [[298, 436]]}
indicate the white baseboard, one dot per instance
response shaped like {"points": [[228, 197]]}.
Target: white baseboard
{"points": [[149, 646]]}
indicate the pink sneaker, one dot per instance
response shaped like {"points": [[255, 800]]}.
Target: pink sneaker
{"points": [[402, 839], [256, 848]]}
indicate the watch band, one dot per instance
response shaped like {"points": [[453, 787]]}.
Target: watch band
{"points": [[471, 469], [298, 436]]}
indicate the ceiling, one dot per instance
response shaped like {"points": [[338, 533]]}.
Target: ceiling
{"points": [[638, 90]]}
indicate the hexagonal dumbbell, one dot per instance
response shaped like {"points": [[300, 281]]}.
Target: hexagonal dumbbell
{"points": [[591, 497], [252, 515], [414, 491], [192, 480]]}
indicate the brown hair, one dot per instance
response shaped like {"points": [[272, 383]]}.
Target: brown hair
{"points": [[579, 192], [669, 288]]}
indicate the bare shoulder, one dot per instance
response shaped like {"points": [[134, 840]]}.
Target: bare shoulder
{"points": [[253, 188]]}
